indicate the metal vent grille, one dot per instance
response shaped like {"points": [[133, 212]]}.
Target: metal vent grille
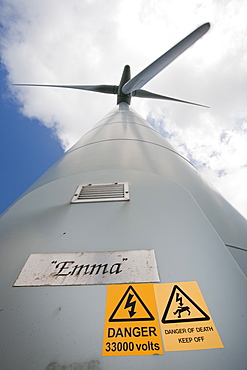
{"points": [[101, 192]]}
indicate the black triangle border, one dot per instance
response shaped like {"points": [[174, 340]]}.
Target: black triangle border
{"points": [[151, 317], [164, 321]]}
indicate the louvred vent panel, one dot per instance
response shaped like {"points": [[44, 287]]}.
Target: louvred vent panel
{"points": [[118, 191]]}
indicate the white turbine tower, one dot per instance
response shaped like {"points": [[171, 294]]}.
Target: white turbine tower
{"points": [[122, 208]]}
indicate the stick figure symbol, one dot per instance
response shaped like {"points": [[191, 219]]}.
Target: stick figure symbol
{"points": [[180, 308]]}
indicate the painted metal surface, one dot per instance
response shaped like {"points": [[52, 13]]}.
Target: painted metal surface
{"points": [[92, 268], [124, 142], [172, 210]]}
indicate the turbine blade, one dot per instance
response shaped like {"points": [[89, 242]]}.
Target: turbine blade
{"points": [[150, 95], [106, 89], [154, 68]]}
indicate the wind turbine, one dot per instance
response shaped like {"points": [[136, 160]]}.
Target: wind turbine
{"points": [[138, 217]]}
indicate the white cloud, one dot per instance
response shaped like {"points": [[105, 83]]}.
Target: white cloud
{"points": [[89, 42]]}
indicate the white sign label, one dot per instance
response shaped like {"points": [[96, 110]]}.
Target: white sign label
{"points": [[118, 267]]}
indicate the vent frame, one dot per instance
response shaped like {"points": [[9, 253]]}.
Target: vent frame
{"points": [[108, 192]]}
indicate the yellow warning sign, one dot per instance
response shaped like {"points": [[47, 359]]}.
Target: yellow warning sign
{"points": [[131, 321], [185, 321]]}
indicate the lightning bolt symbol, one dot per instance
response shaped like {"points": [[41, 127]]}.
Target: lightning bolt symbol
{"points": [[179, 299], [130, 304]]}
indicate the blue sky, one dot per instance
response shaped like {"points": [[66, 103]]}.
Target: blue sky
{"points": [[89, 42], [27, 148]]}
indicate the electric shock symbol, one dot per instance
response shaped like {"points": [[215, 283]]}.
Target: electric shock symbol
{"points": [[180, 300], [172, 309], [131, 308], [130, 304]]}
